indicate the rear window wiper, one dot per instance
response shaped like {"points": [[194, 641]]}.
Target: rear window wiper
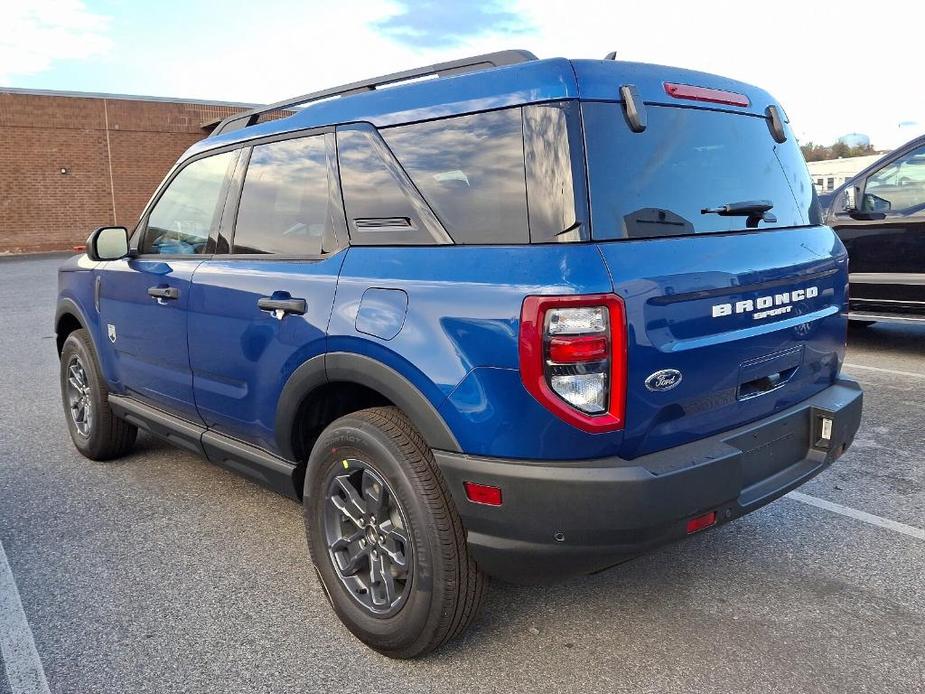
{"points": [[755, 210]]}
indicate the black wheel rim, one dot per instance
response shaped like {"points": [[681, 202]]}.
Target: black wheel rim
{"points": [[367, 538], [80, 402]]}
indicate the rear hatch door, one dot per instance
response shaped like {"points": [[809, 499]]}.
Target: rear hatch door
{"points": [[730, 318]]}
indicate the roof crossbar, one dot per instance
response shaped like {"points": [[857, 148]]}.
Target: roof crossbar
{"points": [[453, 67]]}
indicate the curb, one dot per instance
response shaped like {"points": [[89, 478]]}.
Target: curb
{"points": [[42, 255]]}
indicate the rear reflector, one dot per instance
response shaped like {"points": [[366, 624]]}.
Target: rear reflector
{"points": [[714, 96], [568, 350], [483, 494], [701, 522]]}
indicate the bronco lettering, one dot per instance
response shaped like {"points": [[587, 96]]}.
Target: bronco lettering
{"points": [[771, 305]]}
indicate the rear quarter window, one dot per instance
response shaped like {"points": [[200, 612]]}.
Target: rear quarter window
{"points": [[657, 182], [470, 169]]}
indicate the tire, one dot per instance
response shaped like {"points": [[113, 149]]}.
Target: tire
{"points": [[98, 434], [441, 593]]}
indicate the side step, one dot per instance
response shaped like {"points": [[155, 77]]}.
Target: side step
{"points": [[272, 471]]}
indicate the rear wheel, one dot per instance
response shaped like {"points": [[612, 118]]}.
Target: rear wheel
{"points": [[96, 432], [385, 537]]}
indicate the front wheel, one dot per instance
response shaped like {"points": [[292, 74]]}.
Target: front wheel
{"points": [[96, 432], [385, 537]]}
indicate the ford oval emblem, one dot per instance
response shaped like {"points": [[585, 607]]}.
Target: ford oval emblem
{"points": [[663, 380]]}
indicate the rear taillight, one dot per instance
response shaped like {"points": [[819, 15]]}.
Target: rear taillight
{"points": [[573, 358]]}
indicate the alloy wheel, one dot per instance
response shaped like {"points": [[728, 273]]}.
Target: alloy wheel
{"points": [[79, 397], [368, 538]]}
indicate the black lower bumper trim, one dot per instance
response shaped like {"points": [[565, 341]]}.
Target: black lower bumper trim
{"points": [[569, 518]]}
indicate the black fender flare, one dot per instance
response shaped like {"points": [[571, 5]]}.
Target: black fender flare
{"points": [[67, 306], [357, 368]]}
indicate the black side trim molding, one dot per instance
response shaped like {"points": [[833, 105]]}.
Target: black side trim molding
{"points": [[251, 461], [166, 426], [243, 458]]}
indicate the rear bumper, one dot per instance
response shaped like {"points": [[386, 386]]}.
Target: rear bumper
{"points": [[569, 518]]}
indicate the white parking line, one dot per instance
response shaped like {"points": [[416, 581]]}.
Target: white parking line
{"points": [[907, 374], [20, 657], [858, 515]]}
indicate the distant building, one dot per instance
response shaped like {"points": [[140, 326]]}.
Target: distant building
{"points": [[73, 161], [828, 174]]}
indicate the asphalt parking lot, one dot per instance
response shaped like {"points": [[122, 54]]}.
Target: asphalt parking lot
{"points": [[163, 573]]}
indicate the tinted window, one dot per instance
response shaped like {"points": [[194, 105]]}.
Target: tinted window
{"points": [[470, 170], [284, 206], [189, 208], [382, 206], [555, 173], [656, 183], [897, 187]]}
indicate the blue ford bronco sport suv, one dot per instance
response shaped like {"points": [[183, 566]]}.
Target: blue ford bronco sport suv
{"points": [[499, 316]]}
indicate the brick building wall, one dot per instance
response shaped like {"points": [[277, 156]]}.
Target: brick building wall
{"points": [[115, 151]]}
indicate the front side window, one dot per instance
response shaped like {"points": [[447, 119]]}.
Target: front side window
{"points": [[664, 181], [899, 186], [188, 210], [284, 207]]}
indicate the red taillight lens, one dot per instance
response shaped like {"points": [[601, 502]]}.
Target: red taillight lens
{"points": [[713, 96], [573, 358], [701, 522], [568, 350], [483, 494]]}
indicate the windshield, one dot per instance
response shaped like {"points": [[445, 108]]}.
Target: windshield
{"points": [[660, 181]]}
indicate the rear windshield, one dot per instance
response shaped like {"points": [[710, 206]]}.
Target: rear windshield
{"points": [[657, 182]]}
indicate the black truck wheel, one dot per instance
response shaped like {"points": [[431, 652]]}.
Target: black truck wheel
{"points": [[96, 432], [385, 537]]}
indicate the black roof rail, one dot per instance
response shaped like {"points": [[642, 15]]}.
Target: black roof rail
{"points": [[453, 67]]}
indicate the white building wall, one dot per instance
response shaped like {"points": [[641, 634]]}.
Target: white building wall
{"points": [[827, 175]]}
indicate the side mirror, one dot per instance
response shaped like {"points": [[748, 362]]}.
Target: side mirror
{"points": [[108, 243], [874, 203]]}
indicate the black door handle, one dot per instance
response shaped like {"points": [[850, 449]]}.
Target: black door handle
{"points": [[161, 293], [280, 307]]}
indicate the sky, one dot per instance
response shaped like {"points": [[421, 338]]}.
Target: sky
{"points": [[837, 67]]}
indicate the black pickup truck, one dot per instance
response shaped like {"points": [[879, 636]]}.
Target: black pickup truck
{"points": [[880, 216]]}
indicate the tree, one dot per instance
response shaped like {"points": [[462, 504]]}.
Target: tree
{"points": [[838, 150]]}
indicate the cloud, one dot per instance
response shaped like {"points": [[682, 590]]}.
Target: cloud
{"points": [[302, 46], [437, 23], [35, 34], [265, 51]]}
